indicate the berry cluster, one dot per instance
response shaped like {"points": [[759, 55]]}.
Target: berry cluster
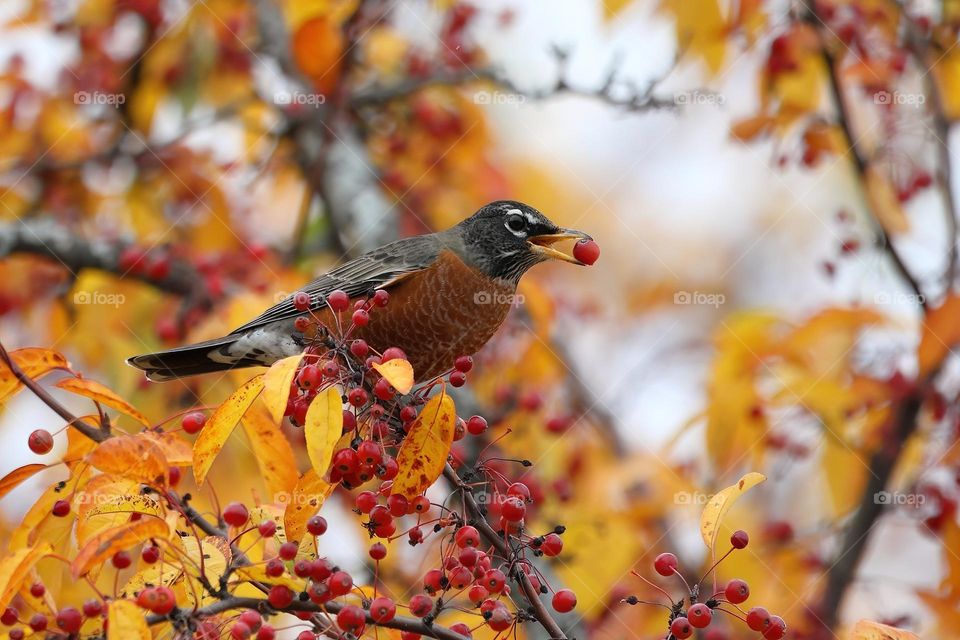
{"points": [[685, 619]]}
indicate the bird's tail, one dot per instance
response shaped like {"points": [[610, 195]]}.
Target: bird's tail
{"points": [[190, 360]]}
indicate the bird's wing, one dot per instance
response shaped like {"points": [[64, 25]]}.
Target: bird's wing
{"points": [[377, 269]]}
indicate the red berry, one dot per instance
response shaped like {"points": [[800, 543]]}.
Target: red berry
{"points": [[288, 550], [280, 596], [552, 545], [92, 608], [758, 618], [357, 397], [9, 616], [193, 422], [38, 622], [420, 504], [69, 620], [433, 581], [275, 567], [665, 564], [317, 525], [301, 301], [240, 631], [460, 578], [564, 600], [345, 461], [393, 353], [464, 364], [164, 600], [267, 528], [477, 593], [359, 348], [586, 251], [699, 615], [680, 628], [458, 379], [513, 509], [378, 551], [777, 628], [251, 618], [420, 605], [383, 609], [37, 589], [17, 634], [309, 377], [369, 452], [476, 425], [494, 580], [739, 539], [338, 300], [236, 514], [361, 318], [500, 618], [266, 633], [737, 591], [366, 501], [121, 560], [352, 619], [520, 490], [340, 583], [40, 441], [467, 536], [150, 554], [462, 628], [60, 508], [381, 297]]}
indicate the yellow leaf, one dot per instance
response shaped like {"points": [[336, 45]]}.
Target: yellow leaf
{"points": [[424, 451], [272, 450], [99, 393], [946, 71], [18, 475], [307, 498], [323, 428], [215, 554], [127, 504], [16, 567], [612, 8], [868, 630], [221, 425], [700, 30], [884, 202], [276, 385], [154, 575], [940, 332], [34, 363], [398, 372], [102, 489], [845, 472], [720, 503], [126, 620], [178, 451], [133, 457], [103, 545]]}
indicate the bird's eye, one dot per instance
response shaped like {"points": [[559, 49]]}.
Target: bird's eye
{"points": [[516, 223]]}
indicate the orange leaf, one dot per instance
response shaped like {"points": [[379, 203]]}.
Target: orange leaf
{"points": [[18, 475], [940, 332], [276, 385], [323, 428], [99, 393], [398, 372], [221, 425], [126, 620], [177, 450], [272, 450], [34, 363], [749, 128], [868, 630], [105, 544], [131, 457], [16, 567], [307, 498], [318, 49], [424, 451]]}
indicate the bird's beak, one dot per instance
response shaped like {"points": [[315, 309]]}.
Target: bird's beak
{"points": [[542, 244]]}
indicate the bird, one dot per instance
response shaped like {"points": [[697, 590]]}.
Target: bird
{"points": [[449, 292]]}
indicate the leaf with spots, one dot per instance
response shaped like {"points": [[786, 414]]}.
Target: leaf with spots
{"points": [[720, 503], [307, 498], [272, 450], [424, 451], [323, 428], [105, 544], [221, 425], [103, 395], [398, 372], [133, 457], [276, 385]]}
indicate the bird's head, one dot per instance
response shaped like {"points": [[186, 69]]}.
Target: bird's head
{"points": [[505, 238]]}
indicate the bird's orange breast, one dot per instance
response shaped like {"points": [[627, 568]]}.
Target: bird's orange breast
{"points": [[437, 314]]}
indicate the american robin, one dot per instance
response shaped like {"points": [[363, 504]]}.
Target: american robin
{"points": [[449, 292]]}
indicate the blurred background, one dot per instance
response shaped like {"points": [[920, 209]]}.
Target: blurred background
{"points": [[770, 183]]}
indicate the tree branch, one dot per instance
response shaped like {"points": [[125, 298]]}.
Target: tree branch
{"points": [[478, 520]]}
